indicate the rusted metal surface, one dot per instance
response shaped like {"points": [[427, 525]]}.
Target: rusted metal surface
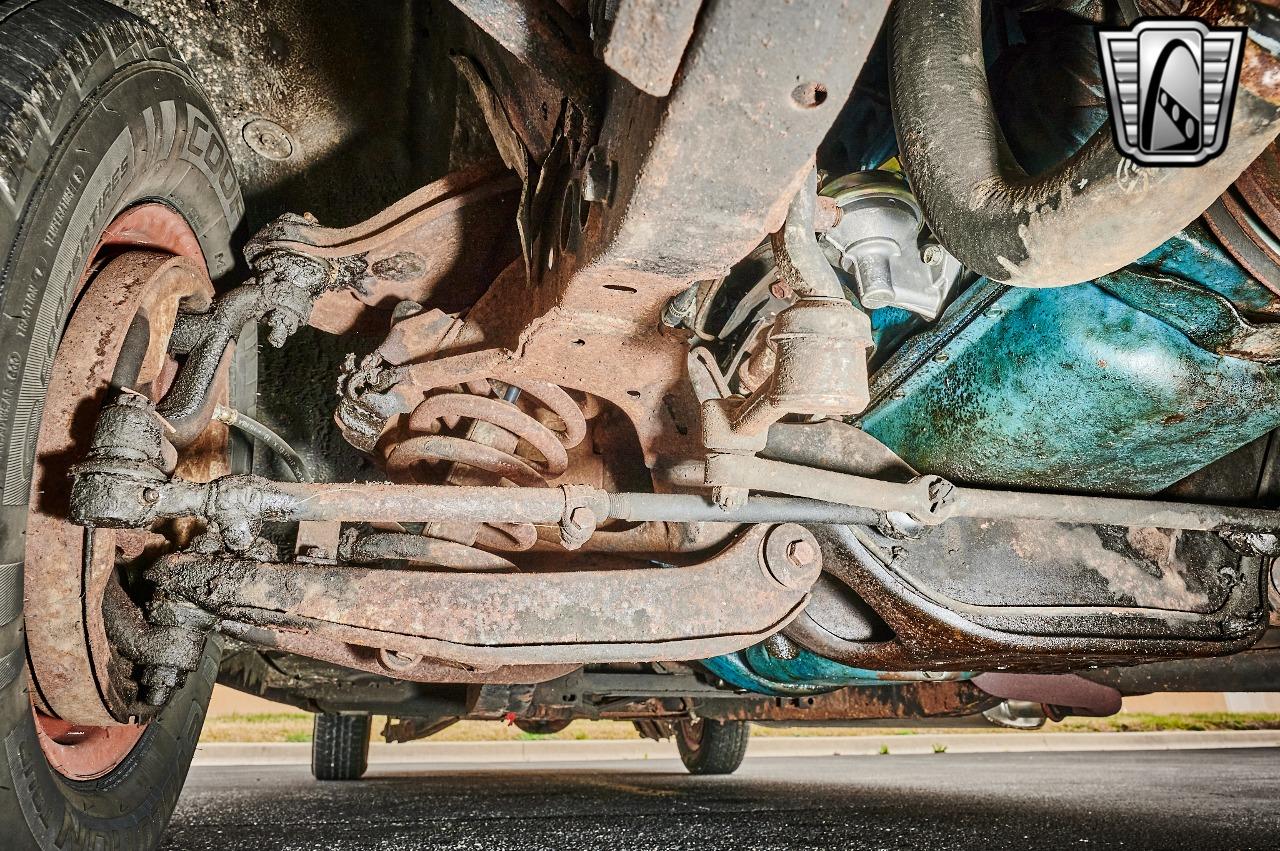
{"points": [[455, 230], [647, 39], [362, 658], [820, 346], [71, 657], [927, 498], [932, 632], [237, 506], [1259, 67], [551, 444], [1259, 186], [1256, 669], [489, 620], [1246, 218], [543, 37], [377, 547], [646, 696], [906, 700], [533, 414], [661, 537], [932, 499], [1071, 568], [605, 268]]}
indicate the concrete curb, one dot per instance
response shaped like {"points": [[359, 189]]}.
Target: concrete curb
{"points": [[550, 750]]}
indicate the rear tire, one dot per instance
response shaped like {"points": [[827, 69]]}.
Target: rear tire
{"points": [[97, 114], [712, 747], [340, 746]]}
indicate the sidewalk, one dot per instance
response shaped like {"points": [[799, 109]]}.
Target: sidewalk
{"points": [[215, 754]]}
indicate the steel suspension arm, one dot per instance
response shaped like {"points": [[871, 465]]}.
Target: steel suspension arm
{"points": [[753, 588]]}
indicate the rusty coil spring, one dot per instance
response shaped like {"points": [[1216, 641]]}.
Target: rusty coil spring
{"points": [[487, 453]]}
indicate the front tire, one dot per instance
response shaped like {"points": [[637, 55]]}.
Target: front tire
{"points": [[712, 747], [97, 116], [340, 746]]}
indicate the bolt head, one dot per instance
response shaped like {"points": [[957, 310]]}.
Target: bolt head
{"points": [[397, 660], [267, 139], [801, 553]]}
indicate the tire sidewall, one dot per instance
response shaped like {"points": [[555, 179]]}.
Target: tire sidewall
{"points": [[145, 134]]}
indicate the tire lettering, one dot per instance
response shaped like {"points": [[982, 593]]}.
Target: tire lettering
{"points": [[65, 203]]}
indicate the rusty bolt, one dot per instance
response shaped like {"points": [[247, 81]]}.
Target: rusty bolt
{"points": [[791, 556], [397, 660], [150, 496], [788, 574], [780, 289], [801, 553], [578, 528], [827, 215]]}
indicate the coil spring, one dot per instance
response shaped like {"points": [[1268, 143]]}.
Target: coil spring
{"points": [[487, 453]]}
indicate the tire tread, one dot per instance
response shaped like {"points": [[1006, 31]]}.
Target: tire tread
{"points": [[58, 58], [720, 750], [52, 50], [340, 746]]}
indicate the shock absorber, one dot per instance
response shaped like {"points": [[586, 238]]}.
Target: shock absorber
{"points": [[496, 437]]}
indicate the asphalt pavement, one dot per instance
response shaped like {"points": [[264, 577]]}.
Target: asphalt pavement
{"points": [[1182, 799]]}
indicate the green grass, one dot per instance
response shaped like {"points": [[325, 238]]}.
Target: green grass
{"points": [[1142, 722], [258, 727], [296, 727]]}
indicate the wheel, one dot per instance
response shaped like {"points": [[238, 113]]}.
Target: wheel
{"points": [[107, 146], [340, 747], [712, 747]]}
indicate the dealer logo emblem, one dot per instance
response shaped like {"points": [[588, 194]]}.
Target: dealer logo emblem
{"points": [[1171, 83]]}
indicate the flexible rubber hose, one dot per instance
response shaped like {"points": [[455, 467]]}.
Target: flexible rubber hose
{"points": [[250, 427], [1086, 217]]}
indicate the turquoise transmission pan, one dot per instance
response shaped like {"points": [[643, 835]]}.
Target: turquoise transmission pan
{"points": [[1117, 385]]}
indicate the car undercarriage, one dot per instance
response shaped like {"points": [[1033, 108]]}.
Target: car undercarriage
{"points": [[675, 362]]}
